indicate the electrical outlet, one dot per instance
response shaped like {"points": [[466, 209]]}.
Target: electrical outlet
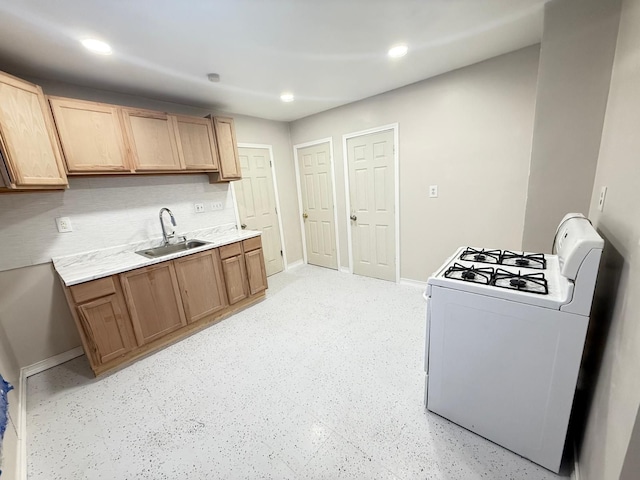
{"points": [[433, 191], [64, 224], [603, 194], [217, 206], [198, 207]]}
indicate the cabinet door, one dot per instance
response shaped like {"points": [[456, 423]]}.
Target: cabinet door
{"points": [[27, 137], [256, 271], [153, 298], [227, 148], [152, 140], [91, 135], [235, 278], [196, 143], [103, 322], [201, 284]]}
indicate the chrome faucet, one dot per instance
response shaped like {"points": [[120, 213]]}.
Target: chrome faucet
{"points": [[166, 237]]}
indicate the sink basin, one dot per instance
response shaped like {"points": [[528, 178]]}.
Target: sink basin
{"points": [[170, 249]]}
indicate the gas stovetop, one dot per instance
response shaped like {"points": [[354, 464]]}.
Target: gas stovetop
{"points": [[505, 257], [523, 282]]}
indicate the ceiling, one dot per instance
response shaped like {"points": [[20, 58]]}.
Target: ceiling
{"points": [[326, 52]]}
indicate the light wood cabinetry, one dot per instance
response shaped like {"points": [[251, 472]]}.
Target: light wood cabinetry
{"points": [[201, 284], [227, 149], [256, 270], [153, 297], [235, 272], [91, 135], [102, 318], [152, 140], [196, 142], [28, 141], [126, 316]]}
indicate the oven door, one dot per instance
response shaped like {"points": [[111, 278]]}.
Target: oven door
{"points": [[504, 370]]}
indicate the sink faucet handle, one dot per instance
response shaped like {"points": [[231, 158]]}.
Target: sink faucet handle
{"points": [[182, 238]]}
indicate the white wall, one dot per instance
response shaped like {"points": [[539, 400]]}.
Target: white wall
{"points": [[105, 212], [576, 56], [468, 131], [616, 316]]}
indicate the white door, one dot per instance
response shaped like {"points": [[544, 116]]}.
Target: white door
{"points": [[372, 197], [257, 203], [316, 190]]}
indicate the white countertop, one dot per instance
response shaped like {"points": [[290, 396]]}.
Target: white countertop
{"points": [[86, 266]]}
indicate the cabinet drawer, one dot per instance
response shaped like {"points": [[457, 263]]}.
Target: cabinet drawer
{"points": [[252, 244], [94, 289], [230, 250]]}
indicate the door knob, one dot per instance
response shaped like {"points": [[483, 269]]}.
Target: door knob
{"points": [[243, 226], [353, 217], [305, 216]]}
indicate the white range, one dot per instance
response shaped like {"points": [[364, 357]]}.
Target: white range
{"points": [[505, 335]]}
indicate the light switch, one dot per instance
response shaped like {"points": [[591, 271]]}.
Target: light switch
{"points": [[603, 194], [433, 191], [217, 206], [64, 224]]}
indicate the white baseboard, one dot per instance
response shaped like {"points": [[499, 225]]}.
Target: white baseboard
{"points": [[26, 372], [296, 264], [344, 270], [413, 283]]}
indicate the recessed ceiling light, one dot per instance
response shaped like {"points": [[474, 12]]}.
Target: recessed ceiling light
{"points": [[287, 97], [398, 51], [97, 46]]}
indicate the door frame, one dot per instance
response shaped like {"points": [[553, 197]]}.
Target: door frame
{"points": [[396, 169], [328, 140], [276, 194]]}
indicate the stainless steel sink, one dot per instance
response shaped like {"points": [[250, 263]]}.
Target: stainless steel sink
{"points": [[170, 249]]}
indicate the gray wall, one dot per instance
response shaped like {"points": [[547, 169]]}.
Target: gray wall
{"points": [[468, 131], [615, 369], [576, 55]]}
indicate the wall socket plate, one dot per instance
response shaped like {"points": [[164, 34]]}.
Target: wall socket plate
{"points": [[433, 191], [198, 207], [603, 194], [217, 205], [64, 224]]}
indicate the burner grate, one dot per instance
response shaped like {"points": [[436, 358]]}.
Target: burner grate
{"points": [[482, 256], [524, 260], [472, 274], [529, 282]]}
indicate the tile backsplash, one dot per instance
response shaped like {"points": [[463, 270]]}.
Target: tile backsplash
{"points": [[105, 212]]}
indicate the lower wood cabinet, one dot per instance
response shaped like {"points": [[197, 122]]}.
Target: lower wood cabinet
{"points": [[153, 298], [104, 321], [235, 278], [201, 284], [123, 317], [256, 271]]}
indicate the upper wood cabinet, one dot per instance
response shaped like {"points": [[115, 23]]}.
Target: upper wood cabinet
{"points": [[196, 142], [28, 141], [153, 297], [91, 135], [227, 149], [201, 284], [152, 140]]}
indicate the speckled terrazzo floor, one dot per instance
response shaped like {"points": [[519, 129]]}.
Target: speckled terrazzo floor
{"points": [[322, 380]]}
